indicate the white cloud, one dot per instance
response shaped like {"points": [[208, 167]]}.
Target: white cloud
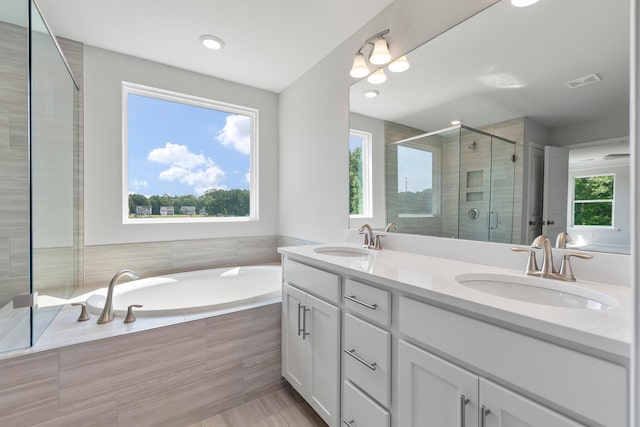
{"points": [[176, 154], [137, 185], [247, 177], [190, 169], [236, 133]]}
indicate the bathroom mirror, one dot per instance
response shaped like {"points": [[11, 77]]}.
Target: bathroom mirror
{"points": [[519, 74]]}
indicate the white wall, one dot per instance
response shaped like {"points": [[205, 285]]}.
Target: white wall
{"points": [[105, 71], [614, 126], [314, 118]]}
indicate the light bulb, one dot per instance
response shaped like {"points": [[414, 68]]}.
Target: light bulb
{"points": [[380, 54], [399, 65], [359, 68], [377, 78], [211, 42], [523, 3], [371, 93]]}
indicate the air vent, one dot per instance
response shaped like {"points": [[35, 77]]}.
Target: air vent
{"points": [[616, 156], [583, 81]]}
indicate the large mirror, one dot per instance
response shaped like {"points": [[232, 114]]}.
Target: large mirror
{"points": [[554, 79]]}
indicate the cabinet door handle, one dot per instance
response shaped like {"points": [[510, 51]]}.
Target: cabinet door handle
{"points": [[483, 415], [304, 321], [347, 423], [357, 301], [353, 354], [300, 330], [463, 402]]}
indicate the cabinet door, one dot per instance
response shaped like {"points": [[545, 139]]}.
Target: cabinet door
{"points": [[508, 409], [293, 346], [323, 326], [433, 392]]}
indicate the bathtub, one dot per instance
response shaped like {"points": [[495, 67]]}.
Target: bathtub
{"points": [[194, 291]]}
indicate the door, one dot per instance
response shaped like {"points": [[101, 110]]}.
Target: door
{"points": [[504, 408], [322, 324], [293, 346], [554, 204], [434, 392], [534, 194]]}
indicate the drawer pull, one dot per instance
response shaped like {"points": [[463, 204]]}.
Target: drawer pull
{"points": [[483, 415], [304, 321], [300, 329], [463, 402], [357, 301], [348, 423], [353, 354]]}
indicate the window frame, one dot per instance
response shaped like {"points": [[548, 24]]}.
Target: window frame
{"points": [[167, 95], [574, 201], [436, 158], [367, 173]]}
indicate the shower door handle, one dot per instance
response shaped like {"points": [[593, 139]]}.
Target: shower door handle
{"points": [[493, 220]]}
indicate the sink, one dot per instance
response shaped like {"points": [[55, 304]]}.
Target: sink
{"points": [[537, 290], [343, 251]]}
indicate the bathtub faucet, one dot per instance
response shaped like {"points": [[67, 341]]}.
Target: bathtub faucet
{"points": [[107, 311]]}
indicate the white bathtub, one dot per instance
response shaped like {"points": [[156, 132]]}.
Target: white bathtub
{"points": [[194, 291]]}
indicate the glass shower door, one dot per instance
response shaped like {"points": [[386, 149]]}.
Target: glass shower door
{"points": [[501, 210], [14, 174]]}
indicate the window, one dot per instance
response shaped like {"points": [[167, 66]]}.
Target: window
{"points": [[417, 167], [186, 158], [360, 203], [593, 198]]}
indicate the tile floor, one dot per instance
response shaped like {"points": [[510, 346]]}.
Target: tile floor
{"points": [[280, 408]]}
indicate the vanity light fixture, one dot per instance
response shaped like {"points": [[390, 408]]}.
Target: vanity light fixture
{"points": [[523, 3], [378, 57], [377, 78], [371, 93], [211, 42]]}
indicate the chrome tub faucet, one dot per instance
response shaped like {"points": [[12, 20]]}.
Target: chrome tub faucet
{"points": [[107, 311]]}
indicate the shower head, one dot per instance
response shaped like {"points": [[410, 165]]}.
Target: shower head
{"points": [[473, 146]]}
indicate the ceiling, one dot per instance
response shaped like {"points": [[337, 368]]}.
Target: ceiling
{"points": [[269, 43], [509, 62]]}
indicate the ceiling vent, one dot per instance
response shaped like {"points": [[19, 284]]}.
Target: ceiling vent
{"points": [[616, 156], [583, 81]]}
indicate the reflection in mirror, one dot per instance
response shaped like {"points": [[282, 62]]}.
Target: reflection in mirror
{"points": [[551, 91]]}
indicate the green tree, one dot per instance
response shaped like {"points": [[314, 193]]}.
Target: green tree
{"points": [[137, 200], [355, 181]]}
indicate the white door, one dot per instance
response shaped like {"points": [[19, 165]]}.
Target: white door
{"points": [[508, 409], [322, 326], [533, 219], [293, 346], [556, 179], [434, 392]]}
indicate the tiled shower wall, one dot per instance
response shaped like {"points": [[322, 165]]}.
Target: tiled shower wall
{"points": [[14, 178]]}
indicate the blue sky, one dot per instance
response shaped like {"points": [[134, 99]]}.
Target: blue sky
{"points": [[416, 166], [181, 149]]}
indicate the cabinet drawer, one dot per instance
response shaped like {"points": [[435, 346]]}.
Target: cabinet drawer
{"points": [[583, 384], [359, 410], [367, 358], [318, 282], [369, 302]]}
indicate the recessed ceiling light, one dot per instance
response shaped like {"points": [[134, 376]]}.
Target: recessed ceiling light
{"points": [[211, 42], [371, 93], [523, 3], [456, 122]]}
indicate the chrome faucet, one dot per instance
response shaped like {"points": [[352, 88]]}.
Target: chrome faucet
{"points": [[543, 242], [368, 237], [107, 311], [562, 240]]}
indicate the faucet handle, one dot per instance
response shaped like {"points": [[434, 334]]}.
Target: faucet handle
{"points": [[532, 265], [130, 318], [378, 244], [566, 273], [83, 313]]}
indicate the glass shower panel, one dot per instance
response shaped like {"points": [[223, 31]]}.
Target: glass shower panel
{"points": [[14, 174], [501, 220], [475, 185], [54, 99]]}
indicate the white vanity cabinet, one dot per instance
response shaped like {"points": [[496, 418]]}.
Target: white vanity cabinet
{"points": [[432, 391], [311, 344]]}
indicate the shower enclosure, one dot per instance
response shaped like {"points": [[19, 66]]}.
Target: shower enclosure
{"points": [[40, 245], [456, 182]]}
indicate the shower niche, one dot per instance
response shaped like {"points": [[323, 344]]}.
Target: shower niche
{"points": [[456, 182]]}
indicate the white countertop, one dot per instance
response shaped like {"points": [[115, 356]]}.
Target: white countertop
{"points": [[607, 331]]}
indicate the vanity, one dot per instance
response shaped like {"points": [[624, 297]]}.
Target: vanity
{"points": [[395, 339]]}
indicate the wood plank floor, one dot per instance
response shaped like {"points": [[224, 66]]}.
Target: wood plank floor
{"points": [[281, 408]]}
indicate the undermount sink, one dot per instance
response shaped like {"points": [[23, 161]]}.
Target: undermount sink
{"points": [[343, 251], [538, 291]]}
